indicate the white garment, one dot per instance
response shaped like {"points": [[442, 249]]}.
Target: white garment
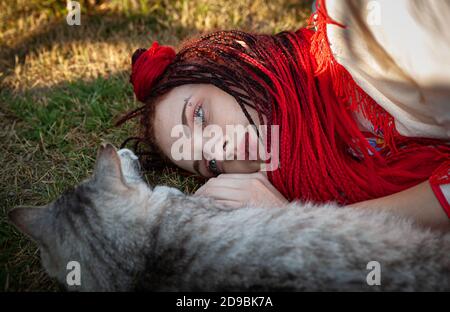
{"points": [[416, 35]]}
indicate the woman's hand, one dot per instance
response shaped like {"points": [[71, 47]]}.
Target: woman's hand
{"points": [[241, 189]]}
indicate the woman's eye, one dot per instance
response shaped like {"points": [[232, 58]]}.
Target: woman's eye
{"points": [[199, 115], [212, 165]]}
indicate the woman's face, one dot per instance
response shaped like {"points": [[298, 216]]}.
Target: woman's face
{"points": [[201, 106]]}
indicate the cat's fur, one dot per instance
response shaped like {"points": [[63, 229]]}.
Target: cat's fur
{"points": [[127, 236]]}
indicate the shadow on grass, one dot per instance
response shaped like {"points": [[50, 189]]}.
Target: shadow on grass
{"points": [[94, 28], [102, 26]]}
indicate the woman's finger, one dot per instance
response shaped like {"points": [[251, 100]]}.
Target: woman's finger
{"points": [[227, 182], [246, 176], [230, 203], [215, 183], [224, 181], [223, 193]]}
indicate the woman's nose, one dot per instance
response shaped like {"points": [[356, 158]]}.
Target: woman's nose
{"points": [[215, 148]]}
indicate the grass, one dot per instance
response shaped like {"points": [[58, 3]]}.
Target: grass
{"points": [[61, 88]]}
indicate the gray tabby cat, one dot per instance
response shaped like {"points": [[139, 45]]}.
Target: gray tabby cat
{"points": [[127, 236]]}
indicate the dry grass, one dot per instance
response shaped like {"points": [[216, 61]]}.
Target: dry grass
{"points": [[62, 86]]}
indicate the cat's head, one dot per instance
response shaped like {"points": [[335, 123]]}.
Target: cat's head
{"points": [[100, 225]]}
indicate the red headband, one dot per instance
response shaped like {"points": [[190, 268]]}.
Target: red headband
{"points": [[148, 66]]}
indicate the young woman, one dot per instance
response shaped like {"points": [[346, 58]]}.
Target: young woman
{"points": [[361, 110]]}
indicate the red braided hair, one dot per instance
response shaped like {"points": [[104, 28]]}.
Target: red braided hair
{"points": [[292, 79]]}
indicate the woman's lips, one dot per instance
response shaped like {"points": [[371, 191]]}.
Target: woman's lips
{"points": [[247, 147]]}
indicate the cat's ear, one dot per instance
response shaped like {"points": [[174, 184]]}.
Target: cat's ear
{"points": [[31, 220], [107, 165]]}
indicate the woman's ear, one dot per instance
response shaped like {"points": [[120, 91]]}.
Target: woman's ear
{"points": [[107, 166], [31, 220]]}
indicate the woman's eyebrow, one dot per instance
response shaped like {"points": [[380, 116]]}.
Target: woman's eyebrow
{"points": [[196, 163], [183, 113]]}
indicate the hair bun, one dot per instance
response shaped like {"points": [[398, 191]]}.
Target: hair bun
{"points": [[147, 66], [137, 54]]}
